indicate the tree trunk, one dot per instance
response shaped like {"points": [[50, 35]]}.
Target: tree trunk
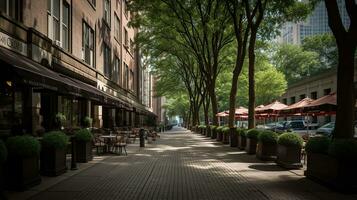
{"points": [[232, 101], [206, 109], [214, 104], [251, 75], [345, 91]]}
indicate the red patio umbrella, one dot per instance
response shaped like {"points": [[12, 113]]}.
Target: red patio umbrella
{"points": [[324, 105], [271, 108], [296, 108]]}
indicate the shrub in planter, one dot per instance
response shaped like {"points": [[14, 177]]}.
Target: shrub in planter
{"points": [[233, 137], [83, 145], [209, 130], [333, 163], [53, 153], [225, 135], [242, 139], [219, 132], [22, 169], [267, 145], [87, 122], [214, 132], [289, 150], [252, 140]]}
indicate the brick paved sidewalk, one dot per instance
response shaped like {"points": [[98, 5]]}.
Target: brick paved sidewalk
{"points": [[182, 165]]}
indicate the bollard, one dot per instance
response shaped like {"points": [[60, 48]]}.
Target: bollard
{"points": [[142, 137], [73, 159]]}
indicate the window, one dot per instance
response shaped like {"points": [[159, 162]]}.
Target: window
{"points": [[131, 80], [107, 64], [126, 76], [285, 101], [327, 91], [126, 37], [313, 95], [88, 44], [12, 8], [292, 100], [116, 70], [302, 96], [131, 46], [92, 2], [107, 11], [117, 28], [125, 8], [58, 28]]}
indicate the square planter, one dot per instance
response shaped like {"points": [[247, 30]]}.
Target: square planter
{"points": [[242, 141], [214, 134], [53, 161], [22, 173], [208, 132], [225, 138], [332, 172], [83, 151], [289, 157], [219, 136], [266, 151], [251, 146], [233, 137], [203, 132]]}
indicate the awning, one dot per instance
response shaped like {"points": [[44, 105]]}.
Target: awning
{"points": [[40, 77]]}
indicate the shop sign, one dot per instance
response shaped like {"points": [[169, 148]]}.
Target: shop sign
{"points": [[13, 44]]}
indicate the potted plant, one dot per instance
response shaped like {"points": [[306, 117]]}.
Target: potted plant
{"points": [[252, 140], [225, 135], [87, 122], [83, 138], [22, 167], [214, 132], [3, 157], [289, 150], [233, 137], [242, 139], [53, 153], [333, 162], [209, 130], [60, 120], [219, 133], [204, 128], [267, 145]]}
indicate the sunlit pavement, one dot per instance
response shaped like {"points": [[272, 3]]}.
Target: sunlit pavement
{"points": [[184, 165]]}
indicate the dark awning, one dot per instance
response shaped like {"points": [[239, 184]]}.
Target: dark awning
{"points": [[39, 76]]}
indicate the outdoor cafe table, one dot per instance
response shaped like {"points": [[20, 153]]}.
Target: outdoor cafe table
{"points": [[107, 140]]}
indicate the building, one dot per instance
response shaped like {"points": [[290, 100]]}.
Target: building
{"points": [[77, 58], [149, 97], [313, 87], [316, 23]]}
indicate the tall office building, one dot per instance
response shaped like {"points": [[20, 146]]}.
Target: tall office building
{"points": [[75, 57], [316, 23]]}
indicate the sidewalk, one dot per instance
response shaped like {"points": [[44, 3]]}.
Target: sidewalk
{"points": [[182, 165]]}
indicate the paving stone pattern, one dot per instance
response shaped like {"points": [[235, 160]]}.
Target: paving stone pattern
{"points": [[183, 165]]}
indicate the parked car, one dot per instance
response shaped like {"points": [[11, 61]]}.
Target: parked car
{"points": [[298, 126], [272, 126], [328, 128]]}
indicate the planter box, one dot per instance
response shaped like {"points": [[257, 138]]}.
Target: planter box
{"points": [[225, 138], [53, 161], [289, 157], [214, 134], [331, 172], [22, 173], [208, 132], [233, 137], [219, 136], [251, 146], [83, 151], [242, 141], [203, 132], [266, 151]]}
